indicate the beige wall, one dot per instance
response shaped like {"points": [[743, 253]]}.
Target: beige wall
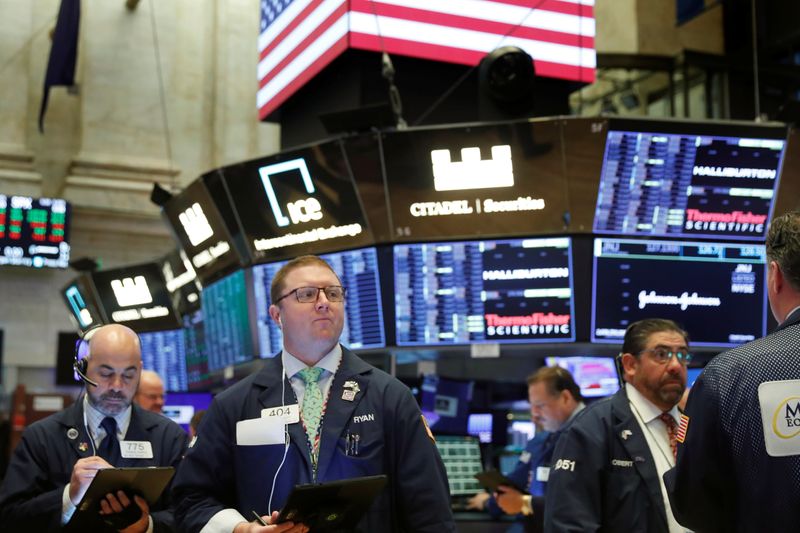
{"points": [[104, 147]]}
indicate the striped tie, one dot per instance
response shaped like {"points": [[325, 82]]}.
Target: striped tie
{"points": [[672, 433], [312, 406]]}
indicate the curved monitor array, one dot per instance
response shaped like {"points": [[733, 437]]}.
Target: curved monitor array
{"points": [[468, 234]]}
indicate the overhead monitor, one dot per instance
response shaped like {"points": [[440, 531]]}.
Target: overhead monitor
{"points": [[34, 232], [81, 300], [358, 270], [181, 281], [198, 377], [137, 297], [689, 180], [480, 425], [715, 291], [180, 407], [463, 181], [164, 352], [297, 202], [445, 404], [199, 227], [499, 291], [596, 376], [229, 338]]}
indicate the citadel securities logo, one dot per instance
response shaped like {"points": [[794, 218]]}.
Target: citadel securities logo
{"points": [[131, 291], [195, 224], [472, 172], [780, 415]]}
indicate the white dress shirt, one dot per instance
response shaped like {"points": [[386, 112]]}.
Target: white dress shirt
{"points": [[655, 432]]}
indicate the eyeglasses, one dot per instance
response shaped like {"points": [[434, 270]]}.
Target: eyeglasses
{"points": [[664, 356], [333, 293]]}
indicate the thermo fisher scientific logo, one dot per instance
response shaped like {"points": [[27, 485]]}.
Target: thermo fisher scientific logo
{"points": [[780, 414]]}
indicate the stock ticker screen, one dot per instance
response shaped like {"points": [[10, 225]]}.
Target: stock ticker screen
{"points": [[165, 353], [501, 291], [715, 291], [226, 322], [688, 185], [34, 232], [197, 374], [363, 327]]}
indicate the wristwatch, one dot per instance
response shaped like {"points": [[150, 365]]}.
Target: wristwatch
{"points": [[527, 507]]}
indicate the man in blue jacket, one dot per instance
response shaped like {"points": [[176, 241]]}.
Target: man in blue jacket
{"points": [[607, 467], [739, 458], [58, 457], [555, 400], [354, 421]]}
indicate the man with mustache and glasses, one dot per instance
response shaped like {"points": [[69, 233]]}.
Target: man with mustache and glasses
{"points": [[739, 458], [607, 467], [59, 456]]}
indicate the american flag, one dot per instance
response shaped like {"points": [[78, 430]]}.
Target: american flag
{"points": [[300, 37], [684, 426]]}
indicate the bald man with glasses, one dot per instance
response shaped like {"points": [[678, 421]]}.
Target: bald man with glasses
{"points": [[607, 467]]}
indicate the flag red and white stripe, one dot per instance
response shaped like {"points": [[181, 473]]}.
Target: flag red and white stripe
{"points": [[301, 37], [682, 428]]}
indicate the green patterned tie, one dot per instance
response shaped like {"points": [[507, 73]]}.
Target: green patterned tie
{"points": [[312, 406]]}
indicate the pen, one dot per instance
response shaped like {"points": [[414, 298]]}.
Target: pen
{"points": [[259, 519]]}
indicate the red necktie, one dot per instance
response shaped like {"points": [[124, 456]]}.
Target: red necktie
{"points": [[672, 432]]}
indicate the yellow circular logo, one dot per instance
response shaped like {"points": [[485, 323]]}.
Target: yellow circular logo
{"points": [[783, 407]]}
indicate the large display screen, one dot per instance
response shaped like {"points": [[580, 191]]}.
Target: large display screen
{"points": [[596, 376], [164, 352], [198, 377], [461, 182], [363, 327], [34, 232], [297, 202], [81, 301], [226, 322], [484, 291], [715, 291], [201, 231], [662, 183], [136, 296]]}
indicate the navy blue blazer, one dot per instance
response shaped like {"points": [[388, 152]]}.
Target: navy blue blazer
{"points": [[603, 476], [724, 480], [41, 466], [218, 474]]}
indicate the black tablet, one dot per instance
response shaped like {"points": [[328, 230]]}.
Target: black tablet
{"points": [[333, 506], [147, 482], [491, 479]]}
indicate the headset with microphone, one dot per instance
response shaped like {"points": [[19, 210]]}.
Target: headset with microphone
{"points": [[81, 364]]}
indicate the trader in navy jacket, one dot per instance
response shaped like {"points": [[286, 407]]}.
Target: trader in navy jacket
{"points": [[58, 457], [607, 467], [370, 425], [739, 461]]}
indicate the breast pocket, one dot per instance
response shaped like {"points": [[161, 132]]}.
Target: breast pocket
{"points": [[360, 450]]}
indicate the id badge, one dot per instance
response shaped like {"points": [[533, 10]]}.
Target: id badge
{"points": [[136, 449], [289, 414]]}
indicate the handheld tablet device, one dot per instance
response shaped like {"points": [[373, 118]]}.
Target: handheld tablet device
{"points": [[337, 505], [491, 479], [148, 482]]}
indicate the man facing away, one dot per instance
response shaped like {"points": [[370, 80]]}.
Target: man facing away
{"points": [[355, 421], [607, 466], [739, 462], [58, 457], [555, 399]]}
